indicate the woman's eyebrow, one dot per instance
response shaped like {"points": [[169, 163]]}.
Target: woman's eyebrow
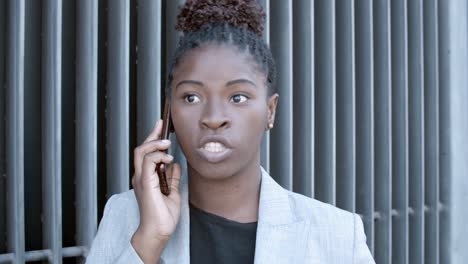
{"points": [[198, 83], [240, 81]]}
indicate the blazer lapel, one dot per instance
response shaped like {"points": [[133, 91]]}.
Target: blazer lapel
{"points": [[281, 237], [278, 230]]}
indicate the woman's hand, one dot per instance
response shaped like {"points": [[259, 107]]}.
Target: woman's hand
{"points": [[159, 214]]}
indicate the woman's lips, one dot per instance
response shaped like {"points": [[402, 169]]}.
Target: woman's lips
{"points": [[214, 152]]}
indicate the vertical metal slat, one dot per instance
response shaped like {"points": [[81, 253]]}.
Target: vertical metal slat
{"points": [[51, 128], [303, 131], [444, 131], [149, 67], [431, 133], [453, 47], [325, 101], [170, 40], [345, 107], [281, 47], [15, 129], [118, 96], [171, 36], [265, 145], [365, 118], [383, 132], [399, 132], [416, 130], [2, 128], [86, 121]]}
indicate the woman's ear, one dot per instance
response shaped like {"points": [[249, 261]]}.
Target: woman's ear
{"points": [[272, 103]]}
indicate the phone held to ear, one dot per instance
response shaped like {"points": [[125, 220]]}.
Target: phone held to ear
{"points": [[166, 130]]}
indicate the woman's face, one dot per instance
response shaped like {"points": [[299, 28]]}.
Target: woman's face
{"points": [[220, 110]]}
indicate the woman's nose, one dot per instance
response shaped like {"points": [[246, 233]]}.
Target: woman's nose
{"points": [[214, 116]]}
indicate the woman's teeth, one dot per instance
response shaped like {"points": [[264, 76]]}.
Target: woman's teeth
{"points": [[214, 147]]}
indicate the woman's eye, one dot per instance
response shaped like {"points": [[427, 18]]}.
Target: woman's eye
{"points": [[191, 98], [239, 98]]}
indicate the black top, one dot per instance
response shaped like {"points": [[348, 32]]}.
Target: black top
{"points": [[214, 239]]}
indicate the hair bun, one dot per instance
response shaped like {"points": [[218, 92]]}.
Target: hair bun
{"points": [[239, 13]]}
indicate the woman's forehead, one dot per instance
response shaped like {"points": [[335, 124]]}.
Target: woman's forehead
{"points": [[221, 61]]}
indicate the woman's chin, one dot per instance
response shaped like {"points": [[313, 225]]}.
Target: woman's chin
{"points": [[212, 171]]}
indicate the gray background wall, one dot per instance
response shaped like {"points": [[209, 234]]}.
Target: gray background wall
{"points": [[373, 116]]}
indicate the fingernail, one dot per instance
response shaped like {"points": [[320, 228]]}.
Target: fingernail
{"points": [[165, 141], [170, 156]]}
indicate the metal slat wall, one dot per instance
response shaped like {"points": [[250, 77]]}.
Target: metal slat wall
{"points": [[431, 136], [325, 101], [453, 121], [361, 122], [168, 46], [416, 131], [281, 155], [346, 106], [14, 138], [51, 129], [383, 132], [365, 117], [86, 121], [303, 110], [399, 131], [444, 132], [33, 121], [118, 97], [149, 66], [265, 155], [2, 128]]}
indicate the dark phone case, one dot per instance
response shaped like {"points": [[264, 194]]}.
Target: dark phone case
{"points": [[164, 183]]}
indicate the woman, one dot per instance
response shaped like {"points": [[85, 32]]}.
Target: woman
{"points": [[221, 88]]}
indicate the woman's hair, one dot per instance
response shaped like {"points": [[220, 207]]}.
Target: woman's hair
{"points": [[234, 22]]}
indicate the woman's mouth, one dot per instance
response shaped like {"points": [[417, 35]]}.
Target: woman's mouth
{"points": [[214, 152], [214, 147]]}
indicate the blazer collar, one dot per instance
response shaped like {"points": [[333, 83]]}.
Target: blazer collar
{"points": [[281, 237], [274, 210]]}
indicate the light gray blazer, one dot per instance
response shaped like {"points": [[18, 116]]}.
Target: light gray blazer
{"points": [[292, 228]]}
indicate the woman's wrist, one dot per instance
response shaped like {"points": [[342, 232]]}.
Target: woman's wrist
{"points": [[149, 248]]}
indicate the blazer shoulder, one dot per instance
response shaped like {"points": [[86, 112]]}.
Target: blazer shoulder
{"points": [[118, 223], [329, 225], [124, 198], [320, 213], [121, 210]]}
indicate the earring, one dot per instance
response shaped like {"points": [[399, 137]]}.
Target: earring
{"points": [[270, 125]]}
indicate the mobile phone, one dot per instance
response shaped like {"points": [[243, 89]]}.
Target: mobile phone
{"points": [[167, 128]]}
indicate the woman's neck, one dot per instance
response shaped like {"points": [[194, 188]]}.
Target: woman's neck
{"points": [[236, 197]]}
